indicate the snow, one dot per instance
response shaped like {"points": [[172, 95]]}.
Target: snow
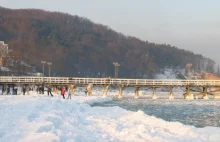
{"points": [[167, 74], [171, 74], [53, 119], [4, 69]]}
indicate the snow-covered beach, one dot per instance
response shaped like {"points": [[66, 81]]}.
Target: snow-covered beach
{"points": [[44, 118]]}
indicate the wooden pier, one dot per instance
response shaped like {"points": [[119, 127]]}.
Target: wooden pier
{"points": [[203, 85]]}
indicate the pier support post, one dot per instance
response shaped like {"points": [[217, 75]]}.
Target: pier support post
{"points": [[154, 97], [89, 88], [171, 97], [7, 89], [3, 86], [56, 90], [105, 90], [43, 89], [205, 95], [216, 97], [73, 87], [136, 92], [120, 91], [188, 95], [13, 89], [196, 97]]}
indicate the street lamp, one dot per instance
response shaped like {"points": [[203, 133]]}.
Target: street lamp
{"points": [[188, 66], [49, 65], [43, 62], [116, 64]]}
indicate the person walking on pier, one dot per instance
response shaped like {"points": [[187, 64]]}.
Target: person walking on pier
{"points": [[49, 91], [69, 93], [63, 91]]}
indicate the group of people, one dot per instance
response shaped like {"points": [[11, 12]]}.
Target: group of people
{"points": [[9, 91], [69, 92], [63, 92], [26, 90], [40, 90]]}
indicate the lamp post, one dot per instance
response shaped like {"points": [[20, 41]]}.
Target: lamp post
{"points": [[43, 62], [188, 72], [116, 64], [49, 65]]}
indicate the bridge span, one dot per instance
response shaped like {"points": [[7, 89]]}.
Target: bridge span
{"points": [[204, 87]]}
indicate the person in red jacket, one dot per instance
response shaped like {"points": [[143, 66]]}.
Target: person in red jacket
{"points": [[63, 91]]}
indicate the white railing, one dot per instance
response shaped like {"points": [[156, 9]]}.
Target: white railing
{"points": [[103, 81]]}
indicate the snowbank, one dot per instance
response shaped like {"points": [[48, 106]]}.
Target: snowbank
{"points": [[167, 74], [43, 118]]}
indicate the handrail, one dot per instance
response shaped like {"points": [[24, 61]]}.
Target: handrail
{"points": [[103, 81]]}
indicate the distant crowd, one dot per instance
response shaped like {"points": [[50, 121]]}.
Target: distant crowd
{"points": [[40, 90]]}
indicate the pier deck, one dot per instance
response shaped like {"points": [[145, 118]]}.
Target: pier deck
{"points": [[121, 83]]}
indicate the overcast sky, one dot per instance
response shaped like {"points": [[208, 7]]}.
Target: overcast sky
{"points": [[188, 24]]}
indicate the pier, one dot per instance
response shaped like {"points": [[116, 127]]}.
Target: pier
{"points": [[204, 88]]}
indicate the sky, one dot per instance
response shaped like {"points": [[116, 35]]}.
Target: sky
{"points": [[187, 24]]}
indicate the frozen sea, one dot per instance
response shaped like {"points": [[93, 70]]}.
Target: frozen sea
{"points": [[40, 118], [199, 113]]}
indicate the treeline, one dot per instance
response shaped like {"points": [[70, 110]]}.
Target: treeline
{"points": [[78, 47]]}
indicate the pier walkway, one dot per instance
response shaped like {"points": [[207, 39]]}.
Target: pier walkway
{"points": [[204, 85]]}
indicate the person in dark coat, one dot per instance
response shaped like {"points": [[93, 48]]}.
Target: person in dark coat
{"points": [[16, 91], [49, 92], [42, 89], [24, 90]]}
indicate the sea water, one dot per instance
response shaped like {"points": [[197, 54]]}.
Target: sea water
{"points": [[199, 113]]}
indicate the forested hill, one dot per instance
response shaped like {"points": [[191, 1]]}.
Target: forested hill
{"points": [[78, 47]]}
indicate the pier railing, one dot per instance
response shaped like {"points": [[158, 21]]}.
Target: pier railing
{"points": [[106, 81]]}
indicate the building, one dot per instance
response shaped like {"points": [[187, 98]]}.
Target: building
{"points": [[3, 51]]}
